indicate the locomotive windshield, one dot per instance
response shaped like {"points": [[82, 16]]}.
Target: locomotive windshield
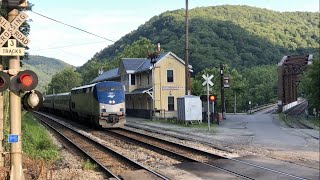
{"points": [[107, 92]]}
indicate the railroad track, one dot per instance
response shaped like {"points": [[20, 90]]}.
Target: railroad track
{"points": [[110, 162], [189, 153], [300, 125], [183, 154], [296, 123]]}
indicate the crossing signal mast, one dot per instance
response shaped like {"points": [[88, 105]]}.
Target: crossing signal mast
{"points": [[16, 81]]}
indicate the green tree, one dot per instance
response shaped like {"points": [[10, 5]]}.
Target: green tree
{"points": [[310, 84], [137, 49], [238, 85], [262, 84], [64, 81]]}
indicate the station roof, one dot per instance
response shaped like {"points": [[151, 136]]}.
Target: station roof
{"points": [[113, 73], [133, 65]]}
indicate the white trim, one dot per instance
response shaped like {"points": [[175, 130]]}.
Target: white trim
{"points": [[85, 86], [171, 53], [130, 71], [282, 60], [129, 79], [148, 91], [135, 79]]}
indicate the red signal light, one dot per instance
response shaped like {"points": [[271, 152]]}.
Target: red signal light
{"points": [[212, 98], [4, 81], [26, 79]]}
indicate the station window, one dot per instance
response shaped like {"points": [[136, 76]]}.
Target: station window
{"points": [[169, 75], [170, 103]]}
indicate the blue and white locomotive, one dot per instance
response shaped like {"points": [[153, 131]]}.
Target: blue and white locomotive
{"points": [[101, 104]]}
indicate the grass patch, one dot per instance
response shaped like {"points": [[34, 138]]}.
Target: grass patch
{"points": [[36, 141], [87, 165], [316, 122]]}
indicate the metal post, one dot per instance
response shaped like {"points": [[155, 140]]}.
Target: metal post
{"points": [[235, 102], [1, 124], [208, 105], [222, 91], [213, 112], [15, 115], [187, 51], [153, 92]]}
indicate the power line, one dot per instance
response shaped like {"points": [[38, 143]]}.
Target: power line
{"points": [[73, 27], [72, 45]]}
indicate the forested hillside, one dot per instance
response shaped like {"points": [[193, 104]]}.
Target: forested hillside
{"points": [[239, 36], [45, 68]]}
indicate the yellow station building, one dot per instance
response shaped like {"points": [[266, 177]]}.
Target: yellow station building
{"points": [[136, 75]]}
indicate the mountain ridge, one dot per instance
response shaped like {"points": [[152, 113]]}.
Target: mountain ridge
{"points": [[241, 36]]}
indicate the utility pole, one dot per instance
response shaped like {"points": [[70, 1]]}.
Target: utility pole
{"points": [[15, 114], [153, 60], [24, 81], [186, 55], [1, 123], [222, 91]]}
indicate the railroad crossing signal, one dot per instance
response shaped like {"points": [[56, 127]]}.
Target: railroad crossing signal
{"points": [[12, 49], [12, 29], [207, 79], [212, 98], [32, 100], [4, 81]]}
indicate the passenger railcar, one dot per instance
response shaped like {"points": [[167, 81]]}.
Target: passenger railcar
{"points": [[62, 104], [101, 104], [48, 103]]}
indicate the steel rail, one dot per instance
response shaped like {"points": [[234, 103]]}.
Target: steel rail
{"points": [[215, 156], [292, 126], [179, 155], [102, 167], [134, 163]]}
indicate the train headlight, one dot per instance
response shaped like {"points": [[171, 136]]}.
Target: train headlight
{"points": [[113, 101], [102, 107], [110, 102]]}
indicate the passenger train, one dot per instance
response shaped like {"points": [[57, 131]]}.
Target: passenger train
{"points": [[100, 105]]}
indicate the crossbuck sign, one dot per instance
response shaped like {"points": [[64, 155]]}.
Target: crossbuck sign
{"points": [[12, 29], [207, 79]]}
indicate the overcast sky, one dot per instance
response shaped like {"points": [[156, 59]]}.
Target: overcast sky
{"points": [[113, 19]]}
